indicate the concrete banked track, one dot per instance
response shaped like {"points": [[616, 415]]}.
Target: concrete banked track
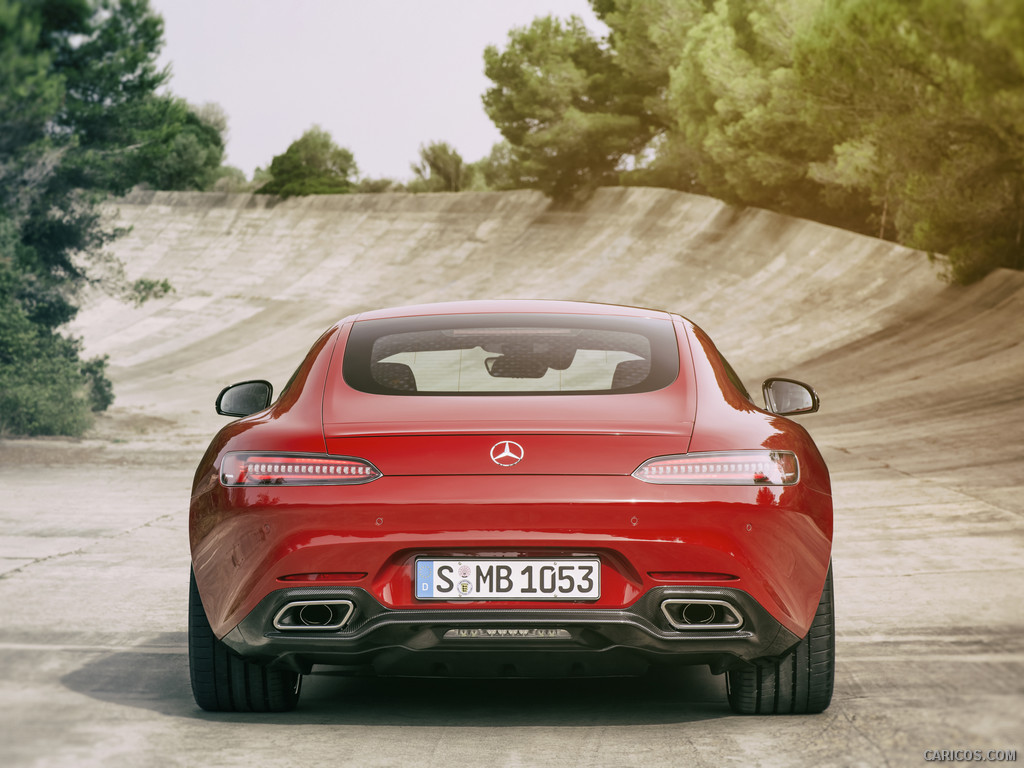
{"points": [[923, 376], [922, 424]]}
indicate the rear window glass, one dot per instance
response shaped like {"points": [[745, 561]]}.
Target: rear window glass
{"points": [[516, 354]]}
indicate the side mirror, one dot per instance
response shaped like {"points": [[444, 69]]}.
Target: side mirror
{"points": [[787, 397], [244, 398]]}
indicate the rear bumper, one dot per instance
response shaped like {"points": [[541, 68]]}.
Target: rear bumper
{"points": [[772, 543], [380, 640]]}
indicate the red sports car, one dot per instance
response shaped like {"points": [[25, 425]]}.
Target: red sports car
{"points": [[512, 488]]}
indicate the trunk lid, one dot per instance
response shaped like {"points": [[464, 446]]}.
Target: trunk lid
{"points": [[568, 435]]}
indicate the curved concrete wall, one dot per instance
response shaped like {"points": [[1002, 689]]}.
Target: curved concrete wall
{"points": [[926, 378]]}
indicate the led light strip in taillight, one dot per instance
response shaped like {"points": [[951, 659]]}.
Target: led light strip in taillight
{"points": [[722, 468], [294, 469]]}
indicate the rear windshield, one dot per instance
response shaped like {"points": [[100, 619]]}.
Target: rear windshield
{"points": [[513, 354]]}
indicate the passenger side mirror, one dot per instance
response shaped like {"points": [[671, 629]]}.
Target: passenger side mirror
{"points": [[787, 397], [244, 398]]}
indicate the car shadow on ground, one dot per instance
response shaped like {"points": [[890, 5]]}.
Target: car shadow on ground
{"points": [[158, 680]]}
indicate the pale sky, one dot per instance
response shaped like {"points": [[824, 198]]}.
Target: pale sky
{"points": [[381, 76]]}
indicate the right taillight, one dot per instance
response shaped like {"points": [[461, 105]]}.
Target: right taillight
{"points": [[722, 468]]}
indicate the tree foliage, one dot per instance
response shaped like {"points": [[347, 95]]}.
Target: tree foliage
{"points": [[565, 107], [190, 156], [371, 186], [900, 118], [441, 169], [79, 119], [929, 120], [312, 165], [500, 170]]}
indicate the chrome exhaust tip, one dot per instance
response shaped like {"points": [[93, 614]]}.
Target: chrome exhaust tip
{"points": [[701, 615], [314, 615]]}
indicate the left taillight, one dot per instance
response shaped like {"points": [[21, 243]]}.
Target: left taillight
{"points": [[243, 468]]}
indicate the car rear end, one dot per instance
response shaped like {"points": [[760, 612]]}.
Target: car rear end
{"points": [[514, 493]]}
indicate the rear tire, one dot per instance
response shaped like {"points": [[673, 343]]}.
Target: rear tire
{"points": [[222, 681], [799, 682]]}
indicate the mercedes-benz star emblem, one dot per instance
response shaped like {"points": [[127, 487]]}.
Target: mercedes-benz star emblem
{"points": [[506, 453]]}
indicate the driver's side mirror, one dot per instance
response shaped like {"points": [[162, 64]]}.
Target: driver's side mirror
{"points": [[788, 397], [244, 398]]}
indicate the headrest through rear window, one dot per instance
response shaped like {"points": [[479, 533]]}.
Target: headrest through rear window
{"points": [[394, 376]]}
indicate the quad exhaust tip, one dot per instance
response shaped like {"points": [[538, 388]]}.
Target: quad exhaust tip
{"points": [[701, 615], [314, 615]]}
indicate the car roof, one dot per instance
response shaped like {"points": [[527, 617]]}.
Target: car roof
{"points": [[500, 306]]}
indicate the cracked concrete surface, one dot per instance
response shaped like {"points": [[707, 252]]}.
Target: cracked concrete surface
{"points": [[922, 424]]}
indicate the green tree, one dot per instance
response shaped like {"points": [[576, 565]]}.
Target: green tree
{"points": [[261, 176], [648, 37], [370, 186], [928, 97], [231, 179], [566, 109], [122, 131], [192, 156], [30, 94], [500, 170], [730, 116], [80, 119], [312, 165], [441, 169], [899, 118], [45, 388]]}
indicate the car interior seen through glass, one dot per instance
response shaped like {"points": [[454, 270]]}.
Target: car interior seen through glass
{"points": [[511, 354]]}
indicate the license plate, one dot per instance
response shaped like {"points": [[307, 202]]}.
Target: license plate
{"points": [[508, 578]]}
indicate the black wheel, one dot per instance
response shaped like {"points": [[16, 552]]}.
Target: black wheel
{"points": [[222, 681], [799, 682]]}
